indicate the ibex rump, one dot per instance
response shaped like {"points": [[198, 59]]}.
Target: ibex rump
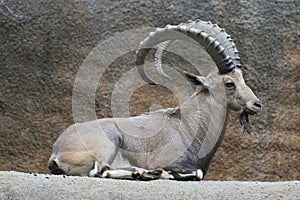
{"points": [[102, 148]]}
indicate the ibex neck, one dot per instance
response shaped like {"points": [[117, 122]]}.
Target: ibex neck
{"points": [[206, 116]]}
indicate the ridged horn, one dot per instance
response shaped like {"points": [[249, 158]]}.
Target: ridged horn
{"points": [[159, 55], [215, 41]]}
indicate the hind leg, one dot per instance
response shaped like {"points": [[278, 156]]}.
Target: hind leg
{"points": [[98, 169]]}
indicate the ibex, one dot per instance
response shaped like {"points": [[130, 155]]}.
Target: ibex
{"points": [[183, 147]]}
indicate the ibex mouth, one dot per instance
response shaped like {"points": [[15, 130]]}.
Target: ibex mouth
{"points": [[250, 111]]}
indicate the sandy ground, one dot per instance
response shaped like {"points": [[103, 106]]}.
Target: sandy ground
{"points": [[16, 185]]}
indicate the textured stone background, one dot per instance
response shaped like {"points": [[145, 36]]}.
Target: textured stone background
{"points": [[43, 44]]}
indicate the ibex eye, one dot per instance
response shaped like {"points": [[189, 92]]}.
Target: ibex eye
{"points": [[230, 85]]}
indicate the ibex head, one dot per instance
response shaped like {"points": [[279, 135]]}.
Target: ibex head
{"points": [[222, 50]]}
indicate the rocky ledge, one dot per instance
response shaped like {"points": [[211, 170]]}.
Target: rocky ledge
{"points": [[17, 185]]}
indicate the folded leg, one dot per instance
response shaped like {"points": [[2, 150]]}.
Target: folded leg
{"points": [[98, 169], [135, 173], [192, 176]]}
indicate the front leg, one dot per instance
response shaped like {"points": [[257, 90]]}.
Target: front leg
{"points": [[192, 176], [136, 173], [154, 174], [129, 173], [170, 175]]}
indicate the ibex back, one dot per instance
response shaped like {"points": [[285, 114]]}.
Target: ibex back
{"points": [[183, 147]]}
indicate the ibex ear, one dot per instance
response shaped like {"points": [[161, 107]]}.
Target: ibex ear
{"points": [[196, 80]]}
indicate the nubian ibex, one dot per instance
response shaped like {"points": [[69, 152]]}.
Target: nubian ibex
{"points": [[184, 146]]}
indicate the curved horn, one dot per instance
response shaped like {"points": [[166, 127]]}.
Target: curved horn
{"points": [[215, 40], [158, 57]]}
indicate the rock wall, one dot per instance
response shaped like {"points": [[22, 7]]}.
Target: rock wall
{"points": [[44, 43]]}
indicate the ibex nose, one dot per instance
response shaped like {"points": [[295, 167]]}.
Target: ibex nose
{"points": [[253, 108], [257, 106]]}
